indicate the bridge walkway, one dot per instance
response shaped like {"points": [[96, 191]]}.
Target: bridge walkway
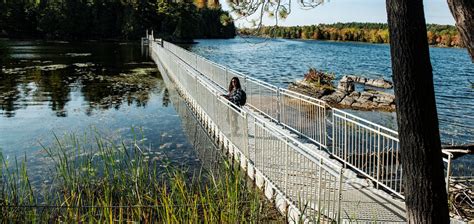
{"points": [[282, 162]]}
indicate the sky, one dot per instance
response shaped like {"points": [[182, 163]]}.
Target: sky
{"points": [[436, 11]]}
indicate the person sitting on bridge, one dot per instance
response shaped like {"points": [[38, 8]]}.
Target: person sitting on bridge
{"points": [[236, 95]]}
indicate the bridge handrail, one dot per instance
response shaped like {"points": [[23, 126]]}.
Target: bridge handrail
{"points": [[381, 139], [217, 93], [243, 112], [278, 91], [329, 205], [362, 120]]}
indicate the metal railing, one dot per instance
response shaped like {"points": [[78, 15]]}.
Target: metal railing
{"points": [[448, 161], [366, 147], [369, 148], [311, 182], [304, 115]]}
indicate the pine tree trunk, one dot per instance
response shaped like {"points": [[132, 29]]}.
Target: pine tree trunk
{"points": [[425, 193], [463, 12]]}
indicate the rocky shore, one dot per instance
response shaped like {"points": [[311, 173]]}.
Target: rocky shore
{"points": [[346, 96]]}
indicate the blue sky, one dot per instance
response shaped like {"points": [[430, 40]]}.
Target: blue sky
{"points": [[436, 11]]}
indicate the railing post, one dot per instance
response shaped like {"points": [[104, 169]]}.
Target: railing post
{"points": [[278, 104], [325, 136], [345, 140], [226, 74], [286, 167], [448, 172], [339, 193], [320, 175], [378, 157], [246, 135], [334, 140]]}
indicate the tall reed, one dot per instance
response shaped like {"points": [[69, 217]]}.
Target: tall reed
{"points": [[108, 182]]}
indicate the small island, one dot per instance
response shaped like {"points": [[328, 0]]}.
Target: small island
{"points": [[320, 85]]}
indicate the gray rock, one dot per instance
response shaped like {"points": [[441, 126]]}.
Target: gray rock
{"points": [[366, 96], [335, 97], [380, 83], [345, 95], [347, 78], [367, 105], [347, 86], [355, 95], [361, 80], [384, 98], [354, 78], [347, 101]]}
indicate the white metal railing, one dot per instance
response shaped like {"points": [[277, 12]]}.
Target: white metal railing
{"points": [[303, 115], [448, 161], [312, 183], [369, 148]]}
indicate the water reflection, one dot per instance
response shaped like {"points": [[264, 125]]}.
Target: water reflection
{"points": [[26, 83], [59, 88], [66, 91], [210, 158]]}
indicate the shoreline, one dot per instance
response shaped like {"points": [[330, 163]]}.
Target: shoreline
{"points": [[337, 41]]}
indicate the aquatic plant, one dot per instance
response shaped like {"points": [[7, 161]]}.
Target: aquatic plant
{"points": [[108, 182], [319, 79]]}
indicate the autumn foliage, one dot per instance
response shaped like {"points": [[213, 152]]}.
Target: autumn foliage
{"points": [[440, 35]]}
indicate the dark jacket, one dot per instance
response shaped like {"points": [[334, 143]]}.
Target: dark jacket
{"points": [[236, 96]]}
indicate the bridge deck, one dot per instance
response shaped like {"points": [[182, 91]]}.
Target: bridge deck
{"points": [[299, 178], [359, 202]]}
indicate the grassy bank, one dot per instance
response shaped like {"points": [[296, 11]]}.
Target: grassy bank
{"points": [[107, 182]]}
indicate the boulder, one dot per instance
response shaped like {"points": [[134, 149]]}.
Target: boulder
{"points": [[366, 96], [366, 105], [355, 95], [379, 83], [335, 97], [356, 79], [347, 86], [347, 101], [347, 78], [308, 89], [345, 95], [384, 98]]}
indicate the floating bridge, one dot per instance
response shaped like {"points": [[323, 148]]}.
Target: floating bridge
{"points": [[316, 163]]}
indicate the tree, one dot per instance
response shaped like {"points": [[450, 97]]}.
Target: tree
{"points": [[425, 194], [463, 12], [420, 145]]}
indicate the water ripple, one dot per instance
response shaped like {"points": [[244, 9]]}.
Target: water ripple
{"points": [[282, 61]]}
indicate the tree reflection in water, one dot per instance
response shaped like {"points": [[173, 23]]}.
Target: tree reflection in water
{"points": [[101, 89]]}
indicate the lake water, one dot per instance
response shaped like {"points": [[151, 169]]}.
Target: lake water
{"points": [[280, 62], [49, 88], [114, 90]]}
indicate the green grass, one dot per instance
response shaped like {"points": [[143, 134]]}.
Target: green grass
{"points": [[107, 182]]}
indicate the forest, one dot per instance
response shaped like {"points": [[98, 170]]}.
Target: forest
{"points": [[440, 35], [113, 19]]}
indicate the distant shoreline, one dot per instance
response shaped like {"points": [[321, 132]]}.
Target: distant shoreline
{"points": [[337, 41], [445, 36]]}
